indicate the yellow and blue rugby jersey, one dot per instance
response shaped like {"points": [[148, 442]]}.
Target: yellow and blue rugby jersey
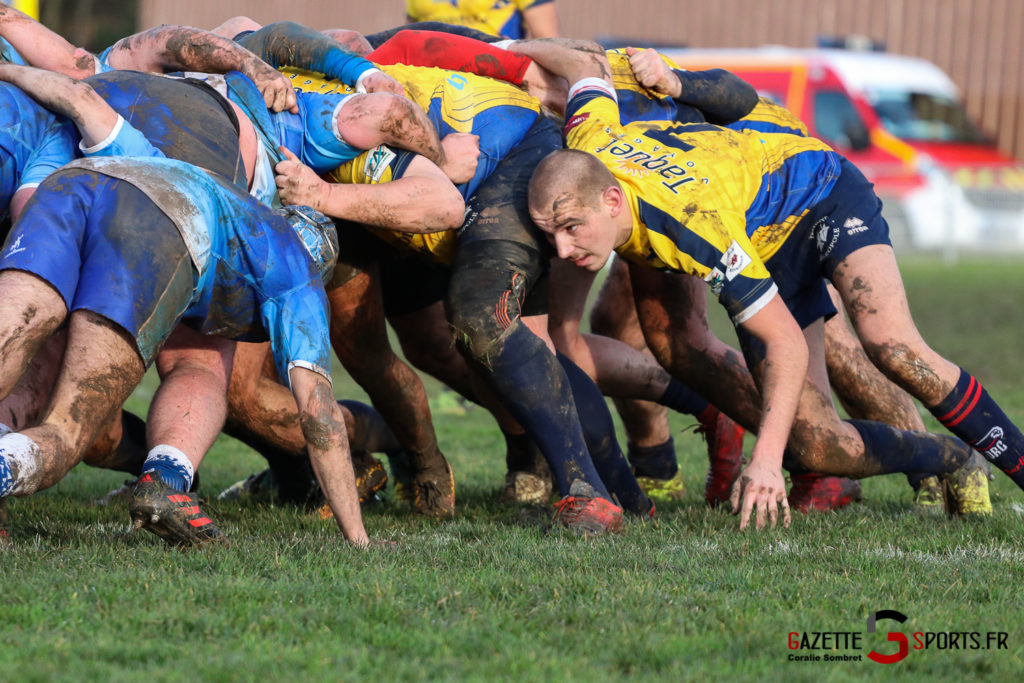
{"points": [[382, 165], [771, 117], [499, 113], [637, 103], [705, 200], [497, 17]]}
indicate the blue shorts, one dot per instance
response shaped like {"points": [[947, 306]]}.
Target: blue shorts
{"points": [[99, 264], [848, 219]]}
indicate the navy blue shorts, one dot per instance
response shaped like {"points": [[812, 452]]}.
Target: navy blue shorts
{"points": [[80, 233], [848, 219]]}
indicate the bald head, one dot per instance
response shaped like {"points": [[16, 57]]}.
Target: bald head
{"points": [[568, 175]]}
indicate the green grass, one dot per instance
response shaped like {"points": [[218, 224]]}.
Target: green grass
{"points": [[493, 595]]}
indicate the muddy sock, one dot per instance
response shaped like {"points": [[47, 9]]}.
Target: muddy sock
{"points": [[171, 464], [534, 388], [656, 462], [970, 413], [682, 399], [6, 476], [599, 432], [888, 449], [19, 464]]}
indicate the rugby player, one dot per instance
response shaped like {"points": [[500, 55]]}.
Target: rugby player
{"points": [[706, 211], [497, 262], [211, 256]]}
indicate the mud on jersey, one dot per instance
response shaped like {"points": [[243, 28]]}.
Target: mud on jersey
{"points": [[705, 200], [499, 113]]}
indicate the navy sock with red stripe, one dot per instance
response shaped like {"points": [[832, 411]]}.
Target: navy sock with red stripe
{"points": [[682, 399], [970, 413]]}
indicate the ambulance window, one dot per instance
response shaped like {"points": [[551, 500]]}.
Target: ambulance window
{"points": [[837, 122], [924, 116]]}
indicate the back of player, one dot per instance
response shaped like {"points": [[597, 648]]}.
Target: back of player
{"points": [[183, 118]]}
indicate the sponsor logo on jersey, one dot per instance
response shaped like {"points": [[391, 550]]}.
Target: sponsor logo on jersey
{"points": [[377, 161], [735, 260], [826, 236], [854, 225], [716, 280]]}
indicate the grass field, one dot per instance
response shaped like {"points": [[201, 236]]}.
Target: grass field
{"points": [[493, 595]]}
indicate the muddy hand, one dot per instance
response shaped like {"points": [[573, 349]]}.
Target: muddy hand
{"points": [[652, 72], [275, 86], [760, 491], [461, 153], [298, 183]]}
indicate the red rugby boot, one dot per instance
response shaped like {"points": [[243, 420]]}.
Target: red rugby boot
{"points": [[821, 492], [725, 454]]}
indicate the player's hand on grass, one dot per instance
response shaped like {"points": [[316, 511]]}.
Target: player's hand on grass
{"points": [[760, 490], [275, 86], [653, 72], [298, 183], [461, 153]]}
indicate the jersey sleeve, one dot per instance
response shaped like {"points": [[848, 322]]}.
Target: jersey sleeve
{"points": [[297, 325], [56, 149], [124, 140], [592, 107]]}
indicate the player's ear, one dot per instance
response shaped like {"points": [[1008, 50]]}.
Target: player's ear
{"points": [[613, 199]]}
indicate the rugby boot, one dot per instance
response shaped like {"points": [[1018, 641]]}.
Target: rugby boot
{"points": [[259, 487], [527, 488], [172, 515], [433, 492], [528, 478], [967, 488], [586, 513], [663, 490], [930, 497], [725, 454], [5, 524], [401, 475], [371, 477], [124, 491], [821, 492], [657, 471]]}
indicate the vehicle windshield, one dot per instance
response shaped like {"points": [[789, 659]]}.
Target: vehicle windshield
{"points": [[927, 117]]}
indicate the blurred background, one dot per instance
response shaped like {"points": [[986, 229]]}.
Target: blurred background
{"points": [[924, 95]]}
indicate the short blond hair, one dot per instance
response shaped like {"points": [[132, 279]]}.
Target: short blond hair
{"points": [[569, 171]]}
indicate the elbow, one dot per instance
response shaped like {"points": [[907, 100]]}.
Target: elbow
{"points": [[452, 210]]}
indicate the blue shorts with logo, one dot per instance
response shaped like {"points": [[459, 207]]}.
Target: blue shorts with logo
{"points": [[848, 219], [94, 263]]}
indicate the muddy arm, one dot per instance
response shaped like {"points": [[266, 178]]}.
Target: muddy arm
{"points": [[323, 425]]}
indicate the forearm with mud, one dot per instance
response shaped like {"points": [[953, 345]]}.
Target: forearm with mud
{"points": [[327, 442], [41, 47], [286, 43], [573, 60], [409, 204], [192, 49], [66, 96], [721, 96]]}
